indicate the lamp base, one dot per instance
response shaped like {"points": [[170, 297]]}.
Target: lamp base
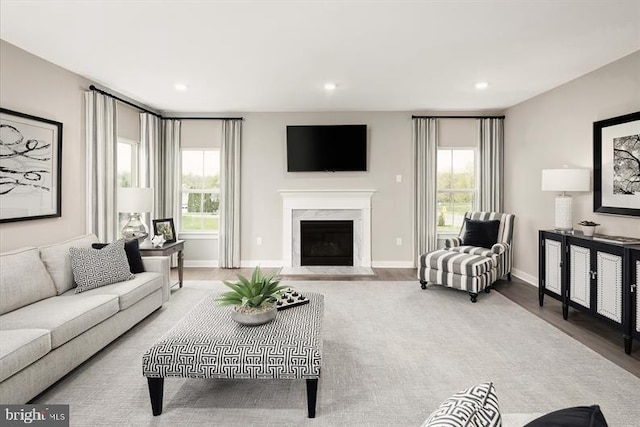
{"points": [[135, 228], [564, 213]]}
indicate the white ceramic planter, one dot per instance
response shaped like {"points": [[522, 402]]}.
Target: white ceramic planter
{"points": [[588, 230], [254, 319]]}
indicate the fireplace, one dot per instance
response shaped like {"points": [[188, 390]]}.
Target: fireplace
{"points": [[326, 243]]}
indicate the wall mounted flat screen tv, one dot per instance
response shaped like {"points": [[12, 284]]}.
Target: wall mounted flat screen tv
{"points": [[334, 148]]}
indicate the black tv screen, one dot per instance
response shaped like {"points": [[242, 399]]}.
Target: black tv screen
{"points": [[327, 148]]}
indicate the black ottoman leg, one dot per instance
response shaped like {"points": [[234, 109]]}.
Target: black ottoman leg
{"points": [[487, 289], [312, 393], [474, 296], [156, 388], [423, 284]]}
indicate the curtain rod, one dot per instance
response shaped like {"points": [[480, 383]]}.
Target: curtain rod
{"points": [[124, 101], [457, 117]]}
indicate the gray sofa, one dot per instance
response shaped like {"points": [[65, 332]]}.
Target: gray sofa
{"points": [[46, 329]]}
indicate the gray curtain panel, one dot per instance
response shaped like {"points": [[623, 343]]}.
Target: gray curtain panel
{"points": [[425, 144], [150, 163], [491, 170], [102, 179], [229, 234], [171, 173]]}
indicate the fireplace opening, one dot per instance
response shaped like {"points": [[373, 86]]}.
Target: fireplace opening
{"points": [[326, 243]]}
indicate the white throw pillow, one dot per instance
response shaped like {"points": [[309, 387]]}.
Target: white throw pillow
{"points": [[93, 268]]}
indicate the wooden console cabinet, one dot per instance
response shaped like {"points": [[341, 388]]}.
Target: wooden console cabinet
{"points": [[587, 274]]}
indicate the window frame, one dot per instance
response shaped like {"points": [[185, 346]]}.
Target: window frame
{"points": [[474, 190], [197, 234]]}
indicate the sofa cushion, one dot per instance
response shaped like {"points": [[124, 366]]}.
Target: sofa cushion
{"points": [[450, 261], [23, 279], [131, 291], [578, 416], [93, 268], [480, 233], [20, 348], [65, 316], [58, 262], [132, 249], [475, 406]]}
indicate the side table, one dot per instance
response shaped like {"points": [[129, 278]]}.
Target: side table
{"points": [[168, 249]]}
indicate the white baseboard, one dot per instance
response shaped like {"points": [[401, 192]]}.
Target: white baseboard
{"points": [[532, 280], [392, 264], [270, 263], [201, 263]]}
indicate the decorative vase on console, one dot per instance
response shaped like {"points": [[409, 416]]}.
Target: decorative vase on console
{"points": [[588, 228]]}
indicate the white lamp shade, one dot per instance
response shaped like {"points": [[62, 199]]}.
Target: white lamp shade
{"points": [[135, 199], [565, 179]]}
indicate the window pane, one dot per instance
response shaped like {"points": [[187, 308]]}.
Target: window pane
{"points": [[124, 164], [445, 211], [199, 209], [463, 162], [444, 169]]}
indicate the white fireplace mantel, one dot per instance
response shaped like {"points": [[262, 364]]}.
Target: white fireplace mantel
{"points": [[326, 200]]}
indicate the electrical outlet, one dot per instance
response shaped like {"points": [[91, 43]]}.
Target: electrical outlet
{"points": [[398, 241], [259, 241], [398, 178]]}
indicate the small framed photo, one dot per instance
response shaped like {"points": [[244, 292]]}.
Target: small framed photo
{"points": [[165, 228]]}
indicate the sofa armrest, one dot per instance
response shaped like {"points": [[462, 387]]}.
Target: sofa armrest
{"points": [[500, 248], [162, 265], [452, 242]]}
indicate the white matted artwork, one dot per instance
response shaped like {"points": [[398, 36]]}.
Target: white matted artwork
{"points": [[617, 165], [30, 167]]}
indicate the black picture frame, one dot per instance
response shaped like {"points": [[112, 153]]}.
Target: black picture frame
{"points": [[30, 167], [165, 228], [608, 193]]}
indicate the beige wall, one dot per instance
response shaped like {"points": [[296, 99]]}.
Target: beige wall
{"points": [[554, 129], [33, 86], [264, 172]]}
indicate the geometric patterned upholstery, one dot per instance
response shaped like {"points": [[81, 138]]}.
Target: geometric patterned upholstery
{"points": [[461, 263], [476, 406], [207, 343], [466, 272], [504, 241]]}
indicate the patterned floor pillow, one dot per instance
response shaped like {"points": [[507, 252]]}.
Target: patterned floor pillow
{"points": [[475, 406]]}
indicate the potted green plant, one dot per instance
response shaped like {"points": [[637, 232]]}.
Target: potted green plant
{"points": [[588, 227], [254, 299]]}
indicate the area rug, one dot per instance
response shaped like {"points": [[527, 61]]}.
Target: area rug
{"points": [[392, 353]]}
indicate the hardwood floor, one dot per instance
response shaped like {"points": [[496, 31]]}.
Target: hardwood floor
{"points": [[599, 336]]}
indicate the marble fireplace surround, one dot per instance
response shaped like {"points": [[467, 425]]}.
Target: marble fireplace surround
{"points": [[352, 205]]}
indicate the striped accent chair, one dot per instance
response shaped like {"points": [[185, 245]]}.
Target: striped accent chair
{"points": [[470, 268], [502, 248]]}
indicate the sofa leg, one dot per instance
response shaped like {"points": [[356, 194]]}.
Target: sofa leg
{"points": [[509, 276], [423, 284], [474, 296]]}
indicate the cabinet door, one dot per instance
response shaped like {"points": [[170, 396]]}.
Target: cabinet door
{"points": [[609, 285], [637, 296], [552, 266], [580, 275]]}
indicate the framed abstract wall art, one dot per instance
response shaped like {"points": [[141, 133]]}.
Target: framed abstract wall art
{"points": [[616, 165], [30, 167]]}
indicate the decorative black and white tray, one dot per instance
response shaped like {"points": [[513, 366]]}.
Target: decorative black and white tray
{"points": [[291, 298]]}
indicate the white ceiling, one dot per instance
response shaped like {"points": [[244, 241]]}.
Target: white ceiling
{"points": [[248, 56]]}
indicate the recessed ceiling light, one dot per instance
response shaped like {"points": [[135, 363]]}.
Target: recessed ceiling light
{"points": [[482, 85], [330, 86], [181, 86]]}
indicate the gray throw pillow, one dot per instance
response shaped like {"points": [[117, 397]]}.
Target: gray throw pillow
{"points": [[93, 268]]}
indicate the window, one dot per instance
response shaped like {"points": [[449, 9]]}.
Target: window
{"points": [[456, 187], [200, 199]]}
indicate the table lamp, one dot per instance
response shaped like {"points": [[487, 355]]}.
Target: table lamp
{"points": [[134, 201], [564, 180]]}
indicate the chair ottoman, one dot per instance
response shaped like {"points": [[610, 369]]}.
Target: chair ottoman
{"points": [[467, 272]]}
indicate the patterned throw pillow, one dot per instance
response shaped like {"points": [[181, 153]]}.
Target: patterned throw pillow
{"points": [[132, 249], [475, 406], [93, 268]]}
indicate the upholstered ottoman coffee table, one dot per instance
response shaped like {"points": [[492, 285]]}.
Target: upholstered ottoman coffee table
{"points": [[471, 273], [207, 343]]}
